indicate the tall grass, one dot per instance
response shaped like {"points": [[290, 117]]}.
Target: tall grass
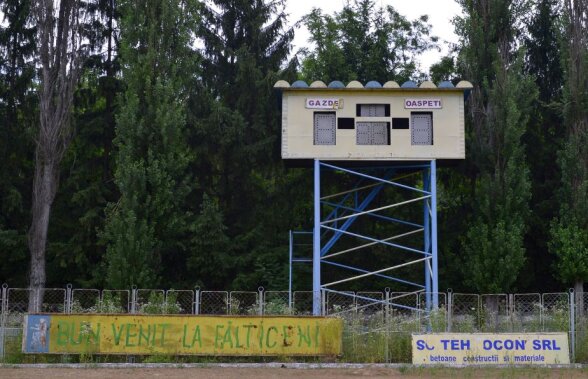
{"points": [[377, 337]]}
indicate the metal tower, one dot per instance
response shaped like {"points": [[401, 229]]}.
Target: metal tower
{"points": [[377, 135], [331, 226]]}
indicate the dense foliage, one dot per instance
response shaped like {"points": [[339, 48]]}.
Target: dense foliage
{"points": [[498, 117], [173, 178]]}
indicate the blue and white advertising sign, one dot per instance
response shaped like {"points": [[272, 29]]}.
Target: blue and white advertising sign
{"points": [[463, 349], [36, 329]]}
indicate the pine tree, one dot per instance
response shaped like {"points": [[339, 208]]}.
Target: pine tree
{"points": [[498, 114], [235, 136], [570, 230], [18, 109], [152, 155], [212, 262], [543, 137]]}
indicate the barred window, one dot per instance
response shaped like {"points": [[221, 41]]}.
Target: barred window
{"points": [[373, 133], [422, 128], [325, 127]]}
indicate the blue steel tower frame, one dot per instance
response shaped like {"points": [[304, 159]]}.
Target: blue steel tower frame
{"points": [[329, 229]]}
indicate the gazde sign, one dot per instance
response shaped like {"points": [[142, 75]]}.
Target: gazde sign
{"points": [[324, 103], [422, 104]]}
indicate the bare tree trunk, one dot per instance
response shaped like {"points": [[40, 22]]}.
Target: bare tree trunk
{"points": [[60, 55], [44, 187]]}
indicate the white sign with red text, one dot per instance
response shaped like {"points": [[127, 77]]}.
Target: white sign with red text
{"points": [[323, 103], [422, 104]]}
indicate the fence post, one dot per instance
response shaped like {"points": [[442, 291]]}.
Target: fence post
{"points": [[197, 301], [572, 325], [541, 311], [101, 300], [418, 311], [387, 305], [131, 358], [164, 308], [35, 302], [290, 303], [68, 298], [511, 312], [3, 319], [387, 322], [323, 302], [4, 297], [133, 299], [261, 300], [449, 310]]}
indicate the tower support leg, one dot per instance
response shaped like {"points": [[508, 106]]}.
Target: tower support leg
{"points": [[316, 243], [427, 236], [290, 258], [434, 233]]}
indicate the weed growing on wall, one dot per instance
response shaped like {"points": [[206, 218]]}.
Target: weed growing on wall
{"points": [[110, 303], [158, 304], [277, 307]]}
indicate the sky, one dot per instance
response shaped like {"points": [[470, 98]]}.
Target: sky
{"points": [[440, 14]]}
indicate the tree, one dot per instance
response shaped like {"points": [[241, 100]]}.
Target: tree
{"points": [[498, 114], [86, 186], [148, 220], [18, 107], [543, 137], [86, 183], [570, 230], [444, 70], [213, 260], [235, 128], [61, 56], [362, 42]]}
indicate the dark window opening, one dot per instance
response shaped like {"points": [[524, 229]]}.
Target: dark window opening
{"points": [[345, 123], [400, 123]]}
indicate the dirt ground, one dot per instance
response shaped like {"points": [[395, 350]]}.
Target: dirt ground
{"points": [[285, 373]]}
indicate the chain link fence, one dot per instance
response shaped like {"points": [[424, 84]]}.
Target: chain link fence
{"points": [[277, 303], [302, 303], [212, 302], [377, 323], [181, 302], [464, 315], [245, 303]]}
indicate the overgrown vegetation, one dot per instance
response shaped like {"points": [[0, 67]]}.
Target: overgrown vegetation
{"points": [[372, 332]]}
